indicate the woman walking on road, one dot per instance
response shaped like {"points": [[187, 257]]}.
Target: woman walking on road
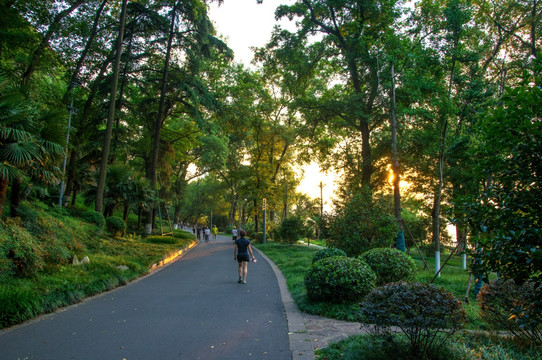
{"points": [[243, 254]]}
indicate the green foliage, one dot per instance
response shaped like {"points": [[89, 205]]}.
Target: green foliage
{"points": [[18, 304], [504, 304], [94, 217], [258, 237], [327, 252], [181, 234], [389, 265], [422, 312], [465, 347], [115, 226], [339, 279], [362, 223], [20, 249], [291, 229], [157, 239], [507, 215]]}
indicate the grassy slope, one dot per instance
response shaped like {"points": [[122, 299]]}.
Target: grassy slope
{"points": [[61, 236]]}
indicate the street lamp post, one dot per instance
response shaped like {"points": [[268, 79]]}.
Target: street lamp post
{"points": [[264, 205]]}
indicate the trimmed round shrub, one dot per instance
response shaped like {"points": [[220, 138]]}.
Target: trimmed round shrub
{"points": [[115, 226], [327, 252], [94, 217], [389, 265], [507, 305], [421, 311], [339, 279]]}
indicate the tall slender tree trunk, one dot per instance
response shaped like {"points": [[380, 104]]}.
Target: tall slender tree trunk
{"points": [[160, 116], [111, 114], [400, 240], [3, 192], [15, 200]]}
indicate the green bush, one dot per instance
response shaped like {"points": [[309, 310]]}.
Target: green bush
{"points": [[18, 304], [361, 223], [116, 226], [157, 239], [389, 265], [94, 217], [327, 252], [504, 304], [257, 237], [291, 229], [339, 279], [423, 312], [181, 234], [20, 250]]}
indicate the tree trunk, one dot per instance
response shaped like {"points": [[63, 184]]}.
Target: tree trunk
{"points": [[15, 200], [83, 55], [400, 240], [45, 41], [256, 228], [3, 192], [160, 114], [111, 114], [126, 211]]}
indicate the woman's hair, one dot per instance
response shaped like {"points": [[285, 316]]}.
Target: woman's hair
{"points": [[242, 233]]}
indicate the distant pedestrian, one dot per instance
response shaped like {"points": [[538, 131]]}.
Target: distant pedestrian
{"points": [[214, 231], [234, 234], [242, 254], [207, 234]]}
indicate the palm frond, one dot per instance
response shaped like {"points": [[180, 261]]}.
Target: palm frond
{"points": [[19, 153], [10, 172]]}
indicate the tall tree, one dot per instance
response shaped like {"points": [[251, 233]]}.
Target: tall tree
{"points": [[111, 113]]}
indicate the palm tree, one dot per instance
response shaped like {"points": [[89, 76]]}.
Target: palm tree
{"points": [[30, 142]]}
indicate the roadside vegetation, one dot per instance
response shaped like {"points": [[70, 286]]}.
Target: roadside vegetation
{"points": [[478, 340], [52, 257]]}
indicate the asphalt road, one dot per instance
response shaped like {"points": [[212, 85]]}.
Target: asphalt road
{"points": [[191, 309]]}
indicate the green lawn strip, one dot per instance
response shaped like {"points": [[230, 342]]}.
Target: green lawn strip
{"points": [[464, 346]]}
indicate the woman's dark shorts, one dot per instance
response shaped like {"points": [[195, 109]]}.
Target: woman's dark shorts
{"points": [[241, 258]]}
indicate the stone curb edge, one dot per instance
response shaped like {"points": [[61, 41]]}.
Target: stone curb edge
{"points": [[299, 338], [171, 257]]}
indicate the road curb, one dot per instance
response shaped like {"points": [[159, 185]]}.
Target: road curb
{"points": [[299, 337], [172, 256]]}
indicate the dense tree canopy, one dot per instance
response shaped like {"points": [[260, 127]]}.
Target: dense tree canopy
{"points": [[151, 114]]}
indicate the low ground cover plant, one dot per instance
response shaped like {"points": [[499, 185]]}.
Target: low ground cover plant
{"points": [[464, 346]]}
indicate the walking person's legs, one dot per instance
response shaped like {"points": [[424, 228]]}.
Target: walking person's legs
{"points": [[245, 270]]}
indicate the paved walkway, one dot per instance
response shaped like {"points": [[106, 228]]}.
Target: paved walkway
{"points": [[190, 309]]}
